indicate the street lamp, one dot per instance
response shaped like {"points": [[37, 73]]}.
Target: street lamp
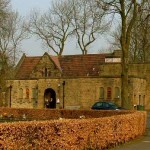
{"points": [[63, 94], [10, 87]]}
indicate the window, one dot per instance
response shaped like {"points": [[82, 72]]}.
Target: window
{"points": [[33, 92], [27, 93], [20, 93], [49, 73], [46, 72], [106, 105], [143, 100], [42, 72], [134, 97], [109, 93], [139, 99], [99, 104], [101, 93], [117, 92]]}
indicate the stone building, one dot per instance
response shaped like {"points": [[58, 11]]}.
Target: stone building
{"points": [[74, 82]]}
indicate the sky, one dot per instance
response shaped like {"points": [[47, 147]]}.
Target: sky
{"points": [[33, 47], [30, 46], [24, 6]]}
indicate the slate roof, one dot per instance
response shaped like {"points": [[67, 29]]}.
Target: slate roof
{"points": [[68, 65]]}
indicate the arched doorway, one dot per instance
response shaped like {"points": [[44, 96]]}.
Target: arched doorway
{"points": [[49, 98]]}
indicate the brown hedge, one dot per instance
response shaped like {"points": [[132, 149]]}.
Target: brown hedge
{"points": [[73, 134], [46, 114]]}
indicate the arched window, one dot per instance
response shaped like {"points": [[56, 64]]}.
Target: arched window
{"points": [[27, 93], [46, 72], [139, 99], [20, 93], [101, 93], [49, 73], [34, 92], [143, 100], [117, 92], [42, 73], [109, 93]]}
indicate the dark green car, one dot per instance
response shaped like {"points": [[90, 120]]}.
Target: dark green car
{"points": [[105, 106]]}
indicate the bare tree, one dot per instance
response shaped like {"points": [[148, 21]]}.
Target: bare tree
{"points": [[140, 44], [4, 5], [140, 34], [11, 36], [66, 18], [115, 38], [127, 10], [53, 28], [88, 23]]}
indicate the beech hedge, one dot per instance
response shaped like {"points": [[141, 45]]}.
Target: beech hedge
{"points": [[46, 114], [89, 132]]}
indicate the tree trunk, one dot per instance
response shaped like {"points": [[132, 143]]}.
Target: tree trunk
{"points": [[125, 44], [126, 102]]}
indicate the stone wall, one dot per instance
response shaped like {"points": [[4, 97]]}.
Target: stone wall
{"points": [[79, 93], [83, 92], [18, 99], [45, 63]]}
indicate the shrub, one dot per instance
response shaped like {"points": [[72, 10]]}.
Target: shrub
{"points": [[86, 133]]}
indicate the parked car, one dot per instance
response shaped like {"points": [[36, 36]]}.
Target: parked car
{"points": [[105, 105]]}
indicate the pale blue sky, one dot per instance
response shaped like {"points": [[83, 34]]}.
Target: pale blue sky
{"points": [[31, 46], [34, 47], [24, 6]]}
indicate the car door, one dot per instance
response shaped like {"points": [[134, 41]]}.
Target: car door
{"points": [[106, 106]]}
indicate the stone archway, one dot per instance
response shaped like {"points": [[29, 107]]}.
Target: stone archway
{"points": [[49, 98]]}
